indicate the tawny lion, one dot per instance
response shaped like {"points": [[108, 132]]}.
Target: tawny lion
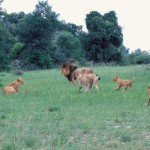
{"points": [[123, 83], [13, 87], [71, 71], [148, 89], [88, 80]]}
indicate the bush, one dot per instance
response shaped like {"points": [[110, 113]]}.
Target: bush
{"points": [[139, 57]]}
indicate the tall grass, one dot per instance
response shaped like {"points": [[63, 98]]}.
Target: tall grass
{"points": [[50, 113]]}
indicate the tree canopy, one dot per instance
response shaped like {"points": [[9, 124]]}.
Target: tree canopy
{"points": [[39, 40], [104, 36], [36, 32]]}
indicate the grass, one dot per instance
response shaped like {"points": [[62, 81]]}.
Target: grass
{"points": [[50, 113]]}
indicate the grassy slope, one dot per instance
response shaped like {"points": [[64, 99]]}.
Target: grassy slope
{"points": [[50, 113]]}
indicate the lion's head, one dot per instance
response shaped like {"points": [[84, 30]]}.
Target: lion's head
{"points": [[67, 70], [20, 81]]}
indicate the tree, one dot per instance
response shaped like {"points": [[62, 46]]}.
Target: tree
{"points": [[12, 21], [139, 57], [104, 37], [69, 27], [6, 42], [0, 5], [36, 33], [68, 47]]}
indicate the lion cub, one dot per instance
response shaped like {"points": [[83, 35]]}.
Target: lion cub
{"points": [[88, 80], [148, 89], [13, 86], [123, 83]]}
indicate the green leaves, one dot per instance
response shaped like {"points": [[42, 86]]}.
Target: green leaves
{"points": [[36, 33], [104, 36], [68, 47]]}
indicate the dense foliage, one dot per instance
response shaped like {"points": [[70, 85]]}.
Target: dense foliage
{"points": [[39, 40], [139, 57], [104, 37]]}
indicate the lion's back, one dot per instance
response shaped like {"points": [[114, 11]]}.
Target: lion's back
{"points": [[83, 70]]}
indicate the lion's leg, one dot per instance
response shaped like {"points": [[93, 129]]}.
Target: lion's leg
{"points": [[130, 85], [90, 87], [72, 78], [16, 89], [125, 88], [97, 86], [80, 86], [72, 81], [13, 91], [118, 88], [86, 89]]}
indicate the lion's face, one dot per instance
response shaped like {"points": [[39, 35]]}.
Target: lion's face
{"points": [[20, 81], [96, 78], [115, 78], [67, 69]]}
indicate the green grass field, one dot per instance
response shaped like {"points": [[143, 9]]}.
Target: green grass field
{"points": [[50, 114]]}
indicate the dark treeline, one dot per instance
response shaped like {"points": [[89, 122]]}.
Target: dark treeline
{"points": [[39, 40]]}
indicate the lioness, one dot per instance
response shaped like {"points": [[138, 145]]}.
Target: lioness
{"points": [[71, 71], [13, 86], [88, 80], [123, 83]]}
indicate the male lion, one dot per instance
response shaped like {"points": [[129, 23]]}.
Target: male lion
{"points": [[13, 86], [88, 80], [71, 71], [123, 83], [148, 89]]}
